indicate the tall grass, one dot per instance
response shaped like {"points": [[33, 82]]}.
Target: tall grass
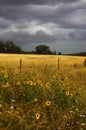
{"points": [[42, 97]]}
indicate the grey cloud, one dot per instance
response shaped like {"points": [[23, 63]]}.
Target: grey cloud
{"points": [[17, 19], [26, 38], [21, 25], [16, 13], [61, 15], [4, 24], [71, 25], [78, 35], [40, 36], [58, 15], [11, 12], [40, 2]]}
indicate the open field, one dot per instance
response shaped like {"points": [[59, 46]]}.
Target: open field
{"points": [[42, 92]]}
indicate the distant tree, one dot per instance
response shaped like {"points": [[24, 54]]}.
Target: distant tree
{"points": [[59, 53], [9, 47], [43, 49], [2, 47], [12, 48], [54, 52]]}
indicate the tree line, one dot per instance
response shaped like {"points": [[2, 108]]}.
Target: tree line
{"points": [[11, 47]]}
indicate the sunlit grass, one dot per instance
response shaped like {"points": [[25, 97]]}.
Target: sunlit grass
{"points": [[41, 96]]}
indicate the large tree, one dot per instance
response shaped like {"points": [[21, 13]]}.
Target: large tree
{"points": [[12, 48], [2, 46], [9, 47], [43, 49]]}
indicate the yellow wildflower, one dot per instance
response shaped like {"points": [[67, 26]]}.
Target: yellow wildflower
{"points": [[39, 81], [28, 82], [48, 103], [37, 116], [7, 84], [18, 83], [71, 94], [47, 85], [34, 83], [5, 75], [3, 71], [31, 83], [67, 93]]}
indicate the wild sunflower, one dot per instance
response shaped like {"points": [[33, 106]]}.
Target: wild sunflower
{"points": [[5, 75], [34, 83], [7, 84], [48, 103], [29, 82], [18, 83], [39, 81], [47, 85], [67, 93], [2, 71], [37, 116]]}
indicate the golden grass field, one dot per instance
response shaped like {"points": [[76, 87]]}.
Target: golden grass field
{"points": [[40, 95]]}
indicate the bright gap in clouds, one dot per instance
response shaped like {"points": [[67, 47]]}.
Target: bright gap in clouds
{"points": [[47, 28]]}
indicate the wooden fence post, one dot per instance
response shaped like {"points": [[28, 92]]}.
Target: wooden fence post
{"points": [[84, 63], [20, 65], [58, 63]]}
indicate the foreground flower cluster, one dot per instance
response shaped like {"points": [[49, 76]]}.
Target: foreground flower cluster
{"points": [[28, 103]]}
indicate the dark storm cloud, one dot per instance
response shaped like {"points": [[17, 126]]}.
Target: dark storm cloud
{"points": [[4, 25], [43, 13], [11, 12], [78, 35], [40, 2], [14, 12], [28, 22], [40, 36], [25, 38]]}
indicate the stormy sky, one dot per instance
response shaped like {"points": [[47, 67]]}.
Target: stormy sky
{"points": [[60, 24]]}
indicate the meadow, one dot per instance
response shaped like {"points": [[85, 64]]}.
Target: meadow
{"points": [[42, 92]]}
